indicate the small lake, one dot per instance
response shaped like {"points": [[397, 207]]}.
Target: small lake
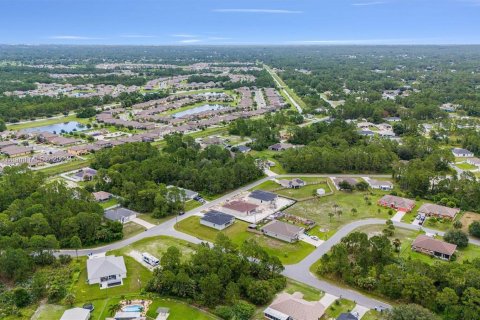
{"points": [[58, 127], [205, 107]]}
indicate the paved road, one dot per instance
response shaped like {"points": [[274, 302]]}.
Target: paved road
{"points": [[273, 74]]}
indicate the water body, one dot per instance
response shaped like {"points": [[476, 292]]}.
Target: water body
{"points": [[205, 107], [58, 127]]}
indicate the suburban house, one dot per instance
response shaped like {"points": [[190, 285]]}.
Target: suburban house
{"points": [[217, 220], [474, 162], [16, 151], [292, 184], [262, 197], [281, 146], [120, 214], [107, 271], [243, 149], [239, 207], [8, 143], [102, 196], [189, 194], [338, 181], [462, 153], [85, 174], [283, 231], [292, 307], [397, 203], [366, 133], [76, 314], [433, 247], [380, 184], [435, 210]]}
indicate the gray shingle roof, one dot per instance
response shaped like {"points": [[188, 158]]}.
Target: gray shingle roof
{"points": [[105, 266], [119, 213], [217, 217], [263, 195]]}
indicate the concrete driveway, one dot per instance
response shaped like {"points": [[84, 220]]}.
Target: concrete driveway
{"points": [[360, 311], [398, 216]]}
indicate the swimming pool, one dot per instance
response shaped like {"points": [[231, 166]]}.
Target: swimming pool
{"points": [[133, 308]]}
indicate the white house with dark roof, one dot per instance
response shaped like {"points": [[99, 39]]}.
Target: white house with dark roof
{"points": [[107, 271], [120, 214], [462, 153], [282, 231], [260, 197], [217, 220]]}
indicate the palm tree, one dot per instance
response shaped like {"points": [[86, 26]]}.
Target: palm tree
{"points": [[354, 211], [335, 207], [114, 308], [397, 243], [330, 215]]}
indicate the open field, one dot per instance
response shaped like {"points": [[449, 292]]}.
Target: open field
{"points": [[157, 246], [288, 253], [342, 203], [465, 166], [131, 229], [303, 192], [65, 167]]}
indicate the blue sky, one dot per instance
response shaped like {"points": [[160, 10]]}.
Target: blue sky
{"points": [[201, 22]]}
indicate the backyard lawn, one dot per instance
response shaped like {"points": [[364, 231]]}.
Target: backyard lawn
{"points": [[50, 311], [372, 315], [338, 308], [342, 203], [137, 277], [288, 253], [178, 310], [109, 203], [465, 166]]}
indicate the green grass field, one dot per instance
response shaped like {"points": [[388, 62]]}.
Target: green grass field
{"points": [[336, 309], [50, 312], [304, 192], [309, 293], [109, 203], [46, 122], [192, 204], [288, 253], [131, 229], [178, 310], [157, 246], [318, 209], [465, 166], [65, 167]]}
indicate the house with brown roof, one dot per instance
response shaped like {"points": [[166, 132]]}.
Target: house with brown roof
{"points": [[397, 203], [294, 307], [433, 247], [435, 210], [239, 207], [16, 151], [282, 231]]}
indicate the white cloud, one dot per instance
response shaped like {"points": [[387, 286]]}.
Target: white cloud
{"points": [[136, 36], [365, 4], [190, 41], [272, 11], [70, 37], [183, 35]]}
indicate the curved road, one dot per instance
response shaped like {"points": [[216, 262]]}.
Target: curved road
{"points": [[300, 271]]}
